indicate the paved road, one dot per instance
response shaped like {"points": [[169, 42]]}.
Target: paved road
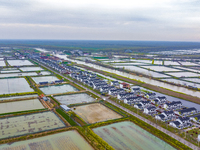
{"points": [[132, 113]]}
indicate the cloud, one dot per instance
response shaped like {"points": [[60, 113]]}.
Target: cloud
{"points": [[131, 19]]}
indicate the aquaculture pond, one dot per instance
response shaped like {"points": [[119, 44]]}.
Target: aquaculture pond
{"points": [[143, 71], [69, 140], [30, 69], [9, 70], [196, 80], [2, 63], [160, 68], [96, 112], [20, 62], [28, 124], [127, 64], [127, 135], [56, 89], [6, 75], [45, 79], [24, 105], [18, 97], [189, 69], [176, 81], [14, 85], [45, 73], [183, 74], [74, 98]]}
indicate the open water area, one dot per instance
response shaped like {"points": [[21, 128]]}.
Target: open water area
{"points": [[69, 140], [29, 124], [17, 106], [20, 63], [127, 135], [45, 79], [25, 69], [18, 97], [14, 85], [74, 98], [56, 89]]}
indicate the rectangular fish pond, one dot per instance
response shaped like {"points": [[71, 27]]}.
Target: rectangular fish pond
{"points": [[20, 62], [30, 69], [127, 135], [17, 106], [69, 140], [56, 89], [14, 85], [19, 97], [74, 98], [29, 124], [45, 79]]}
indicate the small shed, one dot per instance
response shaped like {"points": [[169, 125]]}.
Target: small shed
{"points": [[64, 107]]}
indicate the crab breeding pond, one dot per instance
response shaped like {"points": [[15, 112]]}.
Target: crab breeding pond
{"points": [[2, 63], [30, 69], [15, 85], [74, 98], [56, 89], [44, 79], [19, 97], [20, 62], [69, 140], [127, 135], [17, 106], [96, 112], [28, 124]]}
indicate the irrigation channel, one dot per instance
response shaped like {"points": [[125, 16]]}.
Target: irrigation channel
{"points": [[132, 113]]}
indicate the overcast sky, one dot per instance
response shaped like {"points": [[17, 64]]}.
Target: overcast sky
{"points": [[163, 20]]}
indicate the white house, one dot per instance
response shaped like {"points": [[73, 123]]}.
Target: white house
{"points": [[149, 110]]}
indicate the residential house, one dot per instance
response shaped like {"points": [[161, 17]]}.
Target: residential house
{"points": [[150, 110], [124, 85], [138, 106], [136, 90], [195, 118], [173, 105], [150, 95], [114, 83], [186, 112]]}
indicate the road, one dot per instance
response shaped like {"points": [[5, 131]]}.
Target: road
{"points": [[132, 113]]}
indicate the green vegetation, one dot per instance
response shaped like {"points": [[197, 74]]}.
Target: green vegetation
{"points": [[17, 94], [24, 112], [66, 116]]}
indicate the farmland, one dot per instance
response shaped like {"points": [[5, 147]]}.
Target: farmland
{"points": [[96, 112]]}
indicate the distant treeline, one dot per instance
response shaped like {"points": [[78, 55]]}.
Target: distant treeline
{"points": [[109, 46]]}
